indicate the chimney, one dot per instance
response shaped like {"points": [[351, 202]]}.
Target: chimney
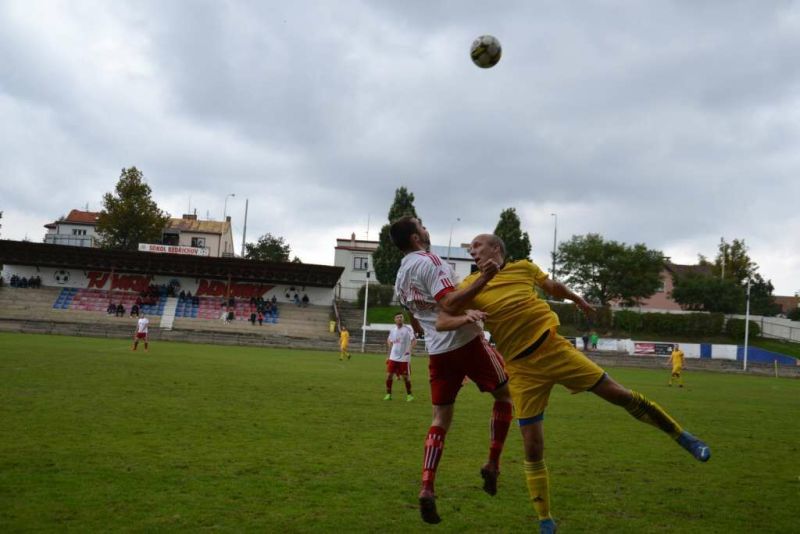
{"points": [[228, 218], [353, 239]]}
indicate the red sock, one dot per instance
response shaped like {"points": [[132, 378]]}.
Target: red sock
{"points": [[434, 446], [501, 420], [389, 386]]}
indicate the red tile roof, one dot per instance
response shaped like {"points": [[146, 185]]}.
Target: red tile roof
{"points": [[81, 217]]}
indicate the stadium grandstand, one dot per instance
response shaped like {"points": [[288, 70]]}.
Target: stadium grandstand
{"points": [[91, 291]]}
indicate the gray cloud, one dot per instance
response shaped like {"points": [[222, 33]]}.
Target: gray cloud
{"points": [[668, 123]]}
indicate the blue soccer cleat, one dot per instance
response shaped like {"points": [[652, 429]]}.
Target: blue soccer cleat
{"points": [[547, 526], [695, 446]]}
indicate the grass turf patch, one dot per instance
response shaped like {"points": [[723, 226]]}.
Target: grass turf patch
{"points": [[187, 437]]}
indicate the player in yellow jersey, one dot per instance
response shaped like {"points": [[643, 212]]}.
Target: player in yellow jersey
{"points": [[537, 357], [676, 359], [344, 343]]}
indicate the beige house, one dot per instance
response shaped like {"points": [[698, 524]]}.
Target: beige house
{"points": [[78, 229], [662, 299], [188, 231]]}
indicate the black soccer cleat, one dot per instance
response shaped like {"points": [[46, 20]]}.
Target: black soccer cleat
{"points": [[489, 479], [427, 508]]}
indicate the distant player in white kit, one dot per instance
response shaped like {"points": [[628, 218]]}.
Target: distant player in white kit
{"points": [[401, 342], [141, 332]]}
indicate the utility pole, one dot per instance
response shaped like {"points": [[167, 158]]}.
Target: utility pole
{"points": [[244, 230], [555, 232]]}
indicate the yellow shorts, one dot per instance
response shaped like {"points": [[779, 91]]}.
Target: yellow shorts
{"points": [[557, 361], [677, 370]]}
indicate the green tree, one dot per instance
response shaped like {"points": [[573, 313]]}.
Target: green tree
{"points": [[269, 248], [707, 292], [733, 262], [518, 244], [386, 258], [725, 289], [606, 271], [130, 216]]}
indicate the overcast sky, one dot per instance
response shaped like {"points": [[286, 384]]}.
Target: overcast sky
{"points": [[667, 123]]}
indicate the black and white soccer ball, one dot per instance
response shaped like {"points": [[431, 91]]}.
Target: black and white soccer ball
{"points": [[61, 277], [486, 51]]}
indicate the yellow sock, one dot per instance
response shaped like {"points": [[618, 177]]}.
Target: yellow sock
{"points": [[538, 487], [651, 413]]}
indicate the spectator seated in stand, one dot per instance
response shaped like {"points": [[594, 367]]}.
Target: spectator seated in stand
{"points": [[253, 317], [274, 300], [182, 296], [231, 315], [260, 318], [135, 310], [120, 310], [111, 308], [305, 300], [296, 299]]}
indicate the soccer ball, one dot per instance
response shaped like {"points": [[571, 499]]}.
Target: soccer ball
{"points": [[486, 51], [61, 277]]}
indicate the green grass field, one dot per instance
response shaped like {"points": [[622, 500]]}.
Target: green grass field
{"points": [[196, 437]]}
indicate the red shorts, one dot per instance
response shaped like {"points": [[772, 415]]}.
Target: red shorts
{"points": [[396, 368], [476, 360], [141, 335]]}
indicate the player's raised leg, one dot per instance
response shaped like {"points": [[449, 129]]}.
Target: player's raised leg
{"points": [[498, 431], [651, 413], [485, 367], [434, 448]]}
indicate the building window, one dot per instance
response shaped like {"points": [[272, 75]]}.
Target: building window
{"points": [[75, 231], [171, 240], [360, 263], [662, 287], [199, 242]]}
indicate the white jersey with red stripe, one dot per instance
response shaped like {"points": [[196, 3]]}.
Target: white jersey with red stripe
{"points": [[401, 338], [423, 279], [141, 325]]}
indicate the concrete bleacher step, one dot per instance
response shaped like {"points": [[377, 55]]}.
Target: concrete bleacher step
{"points": [[168, 315]]}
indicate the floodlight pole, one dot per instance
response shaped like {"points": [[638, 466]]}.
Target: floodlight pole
{"points": [[225, 208], [450, 241], [244, 231], [746, 325], [364, 324]]}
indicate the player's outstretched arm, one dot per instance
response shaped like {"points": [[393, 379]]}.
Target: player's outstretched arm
{"points": [[558, 290], [457, 300], [446, 321]]}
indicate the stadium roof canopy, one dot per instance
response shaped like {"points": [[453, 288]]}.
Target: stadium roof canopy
{"points": [[48, 255]]}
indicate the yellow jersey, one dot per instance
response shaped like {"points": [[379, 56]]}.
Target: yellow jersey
{"points": [[517, 317], [345, 338], [677, 358]]}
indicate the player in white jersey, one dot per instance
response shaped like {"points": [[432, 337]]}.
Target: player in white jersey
{"points": [[424, 285], [141, 332], [401, 342]]}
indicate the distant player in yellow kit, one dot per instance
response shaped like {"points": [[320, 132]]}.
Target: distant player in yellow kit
{"points": [[537, 358], [344, 343], [676, 359]]}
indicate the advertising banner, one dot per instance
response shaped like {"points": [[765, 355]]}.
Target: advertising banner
{"points": [[173, 249], [653, 349]]}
